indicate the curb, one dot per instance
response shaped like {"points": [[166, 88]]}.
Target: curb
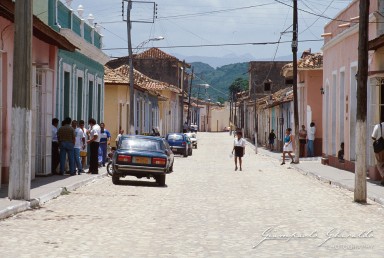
{"points": [[12, 210], [313, 175], [37, 202]]}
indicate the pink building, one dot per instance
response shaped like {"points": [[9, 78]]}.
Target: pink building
{"points": [[46, 43], [309, 90], [339, 82]]}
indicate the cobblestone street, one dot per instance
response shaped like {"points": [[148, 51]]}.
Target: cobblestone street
{"points": [[206, 210]]}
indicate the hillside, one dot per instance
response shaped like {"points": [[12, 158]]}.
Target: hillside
{"points": [[219, 79]]}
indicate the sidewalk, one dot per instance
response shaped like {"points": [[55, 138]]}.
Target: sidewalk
{"points": [[312, 167], [44, 189]]}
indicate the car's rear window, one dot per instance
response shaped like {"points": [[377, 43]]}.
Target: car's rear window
{"points": [[175, 137], [140, 144]]}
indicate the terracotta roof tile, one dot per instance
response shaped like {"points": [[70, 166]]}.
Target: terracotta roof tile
{"points": [[120, 75], [277, 98], [155, 53], [308, 62]]}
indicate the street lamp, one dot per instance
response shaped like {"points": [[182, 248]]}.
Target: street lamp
{"points": [[142, 44]]}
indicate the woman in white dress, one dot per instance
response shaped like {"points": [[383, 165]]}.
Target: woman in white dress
{"points": [[238, 148], [288, 139]]}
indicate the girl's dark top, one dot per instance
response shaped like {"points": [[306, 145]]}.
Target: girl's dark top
{"points": [[272, 136]]}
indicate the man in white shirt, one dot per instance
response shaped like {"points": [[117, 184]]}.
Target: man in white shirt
{"points": [[311, 140], [79, 144], [94, 140]]}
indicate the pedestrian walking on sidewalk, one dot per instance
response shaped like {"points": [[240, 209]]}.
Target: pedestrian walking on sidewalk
{"points": [[239, 148], [271, 139], [376, 134], [287, 149]]}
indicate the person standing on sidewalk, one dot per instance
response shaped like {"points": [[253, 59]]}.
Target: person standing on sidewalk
{"points": [[376, 134], [302, 140], [66, 137], [311, 140], [271, 139], [83, 150], [79, 143], [105, 141], [55, 146], [287, 149], [239, 148], [94, 140]]}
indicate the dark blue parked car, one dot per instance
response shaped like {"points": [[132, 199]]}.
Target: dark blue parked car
{"points": [[180, 143], [142, 156]]}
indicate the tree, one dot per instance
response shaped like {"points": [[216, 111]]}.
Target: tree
{"points": [[221, 100], [238, 85]]}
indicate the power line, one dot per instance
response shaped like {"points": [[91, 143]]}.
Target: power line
{"points": [[229, 44], [212, 12], [312, 13], [317, 17], [201, 13]]}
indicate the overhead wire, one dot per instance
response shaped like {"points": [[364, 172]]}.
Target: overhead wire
{"points": [[307, 28], [228, 44]]}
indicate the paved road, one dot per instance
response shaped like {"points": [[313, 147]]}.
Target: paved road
{"points": [[206, 210]]}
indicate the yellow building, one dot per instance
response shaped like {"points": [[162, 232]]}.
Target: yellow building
{"points": [[153, 102]]}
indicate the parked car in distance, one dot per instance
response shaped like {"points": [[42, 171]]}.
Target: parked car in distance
{"points": [[193, 128], [193, 138], [226, 129], [179, 143], [142, 156]]}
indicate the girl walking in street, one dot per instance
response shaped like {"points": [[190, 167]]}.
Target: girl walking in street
{"points": [[239, 148], [288, 139]]}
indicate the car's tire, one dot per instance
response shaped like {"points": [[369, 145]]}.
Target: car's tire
{"points": [[160, 180], [185, 154], [109, 168], [115, 179]]}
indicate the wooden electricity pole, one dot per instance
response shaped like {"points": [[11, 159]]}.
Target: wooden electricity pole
{"points": [[360, 193], [189, 100], [295, 100], [20, 166], [131, 73]]}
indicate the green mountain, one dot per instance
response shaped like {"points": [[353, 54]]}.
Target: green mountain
{"points": [[219, 79]]}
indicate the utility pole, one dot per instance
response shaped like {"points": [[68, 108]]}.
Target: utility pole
{"points": [[360, 193], [256, 118], [130, 57], [181, 99], [189, 100], [295, 100], [20, 166], [131, 74]]}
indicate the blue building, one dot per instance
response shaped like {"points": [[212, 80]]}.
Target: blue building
{"points": [[79, 92]]}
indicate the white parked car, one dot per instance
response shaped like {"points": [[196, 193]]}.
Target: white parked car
{"points": [[193, 138]]}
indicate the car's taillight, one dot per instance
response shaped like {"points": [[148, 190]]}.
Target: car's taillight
{"points": [[159, 161], [184, 143], [124, 158]]}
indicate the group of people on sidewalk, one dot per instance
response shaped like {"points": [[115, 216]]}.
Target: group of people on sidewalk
{"points": [[306, 139], [70, 143]]}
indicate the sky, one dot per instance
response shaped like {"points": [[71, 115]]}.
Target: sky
{"points": [[188, 25]]}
